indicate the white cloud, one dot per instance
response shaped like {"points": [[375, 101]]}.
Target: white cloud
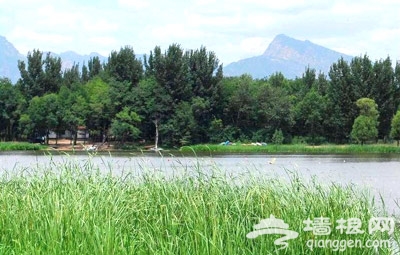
{"points": [[104, 44], [27, 40], [136, 4], [254, 46], [234, 29], [99, 26]]}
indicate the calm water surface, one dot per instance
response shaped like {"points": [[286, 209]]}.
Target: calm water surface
{"points": [[379, 173]]}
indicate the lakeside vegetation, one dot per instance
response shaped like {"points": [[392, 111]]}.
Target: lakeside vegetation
{"points": [[236, 148], [180, 97], [291, 148], [20, 146], [71, 208]]}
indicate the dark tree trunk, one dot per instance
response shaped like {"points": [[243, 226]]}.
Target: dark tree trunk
{"points": [[75, 138]]}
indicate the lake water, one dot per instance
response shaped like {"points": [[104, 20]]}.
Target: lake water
{"points": [[379, 173]]}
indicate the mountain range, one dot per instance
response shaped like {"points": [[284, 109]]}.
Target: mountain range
{"points": [[9, 57], [289, 56], [284, 54]]}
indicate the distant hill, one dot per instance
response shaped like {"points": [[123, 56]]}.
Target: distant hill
{"points": [[284, 54], [9, 57], [288, 56], [68, 58]]}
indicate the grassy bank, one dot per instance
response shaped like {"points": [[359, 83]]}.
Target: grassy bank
{"points": [[71, 209], [292, 148], [20, 146]]}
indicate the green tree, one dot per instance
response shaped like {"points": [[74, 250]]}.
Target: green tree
{"points": [[321, 85], [121, 95], [179, 129], [342, 95], [75, 109], [170, 70], [205, 79], [277, 137], [94, 68], [383, 91], [85, 74], [240, 101], [124, 125], [397, 85], [10, 109], [216, 131], [32, 75], [277, 80], [98, 121], [309, 78], [395, 127], [272, 109], [71, 76], [52, 74], [154, 104], [39, 76], [310, 114], [124, 66], [362, 73], [45, 114], [365, 125]]}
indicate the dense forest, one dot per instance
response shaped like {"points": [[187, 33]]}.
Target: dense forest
{"points": [[181, 97]]}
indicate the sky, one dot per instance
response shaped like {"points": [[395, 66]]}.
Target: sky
{"points": [[233, 29]]}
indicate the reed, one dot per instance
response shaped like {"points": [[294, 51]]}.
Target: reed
{"points": [[74, 208]]}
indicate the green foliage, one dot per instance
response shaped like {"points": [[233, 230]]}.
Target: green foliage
{"points": [[179, 128], [365, 125], [183, 95], [99, 104], [364, 129], [75, 109], [383, 92], [123, 66], [26, 127], [300, 147], [216, 131], [124, 125], [94, 68], [395, 127], [310, 114], [342, 96], [71, 77], [39, 76], [10, 109], [277, 137], [368, 108], [20, 146], [45, 114]]}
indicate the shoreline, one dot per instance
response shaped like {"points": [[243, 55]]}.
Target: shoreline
{"points": [[213, 149]]}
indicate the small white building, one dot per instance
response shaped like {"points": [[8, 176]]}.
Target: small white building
{"points": [[82, 134]]}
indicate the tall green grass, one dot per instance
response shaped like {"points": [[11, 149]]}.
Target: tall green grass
{"points": [[292, 148], [20, 146], [72, 208]]}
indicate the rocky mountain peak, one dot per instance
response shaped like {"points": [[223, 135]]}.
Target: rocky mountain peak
{"points": [[288, 56]]}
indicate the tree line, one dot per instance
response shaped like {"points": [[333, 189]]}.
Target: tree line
{"points": [[181, 97]]}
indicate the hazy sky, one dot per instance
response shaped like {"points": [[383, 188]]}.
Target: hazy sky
{"points": [[233, 29]]}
